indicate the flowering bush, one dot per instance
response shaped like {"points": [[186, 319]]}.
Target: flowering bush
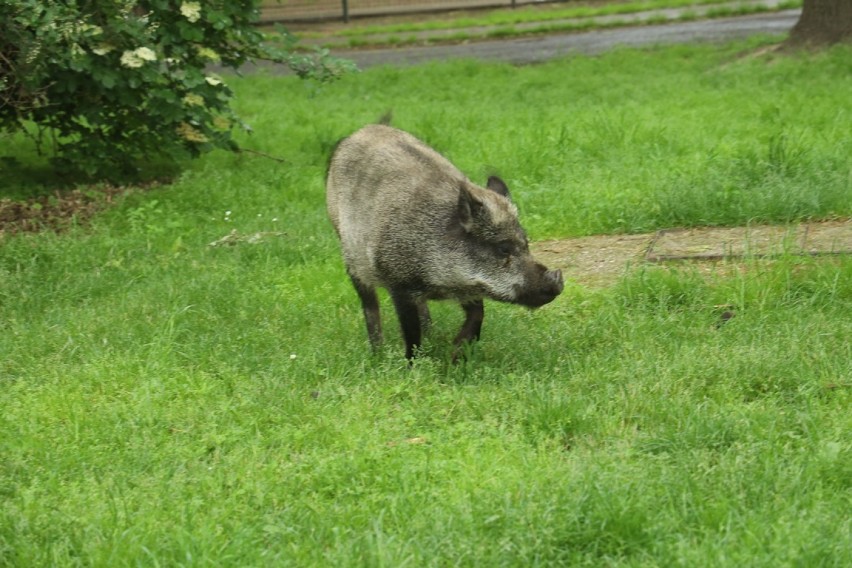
{"points": [[105, 83]]}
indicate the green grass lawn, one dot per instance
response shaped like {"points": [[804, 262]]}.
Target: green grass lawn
{"points": [[165, 402]]}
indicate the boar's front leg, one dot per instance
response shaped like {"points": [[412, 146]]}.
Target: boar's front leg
{"points": [[370, 305], [409, 311], [471, 328]]}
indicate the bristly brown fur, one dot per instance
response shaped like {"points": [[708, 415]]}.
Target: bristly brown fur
{"points": [[411, 222]]}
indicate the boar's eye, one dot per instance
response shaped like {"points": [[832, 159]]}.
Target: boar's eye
{"points": [[505, 248]]}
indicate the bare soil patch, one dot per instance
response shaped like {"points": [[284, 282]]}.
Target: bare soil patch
{"points": [[55, 212], [595, 261], [600, 261]]}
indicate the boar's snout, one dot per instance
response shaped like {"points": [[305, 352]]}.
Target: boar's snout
{"points": [[543, 289]]}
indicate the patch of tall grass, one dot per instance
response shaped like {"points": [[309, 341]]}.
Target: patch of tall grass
{"points": [[628, 142]]}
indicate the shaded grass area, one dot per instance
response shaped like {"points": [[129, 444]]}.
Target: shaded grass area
{"points": [[167, 402]]}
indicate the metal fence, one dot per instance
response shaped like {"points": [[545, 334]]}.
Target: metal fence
{"points": [[306, 10]]}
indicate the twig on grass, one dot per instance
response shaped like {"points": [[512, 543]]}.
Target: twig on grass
{"points": [[261, 154]]}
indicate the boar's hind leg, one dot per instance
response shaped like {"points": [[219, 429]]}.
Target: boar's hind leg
{"points": [[409, 312], [370, 305], [472, 326], [425, 316]]}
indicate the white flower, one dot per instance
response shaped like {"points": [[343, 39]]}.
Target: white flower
{"points": [[102, 49], [146, 54], [130, 59], [87, 29], [191, 134], [193, 100], [137, 57], [207, 53], [213, 80], [191, 11], [292, 356]]}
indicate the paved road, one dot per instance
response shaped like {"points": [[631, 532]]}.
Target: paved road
{"points": [[542, 48]]}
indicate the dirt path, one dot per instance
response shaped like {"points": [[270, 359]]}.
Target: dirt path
{"points": [[600, 260]]}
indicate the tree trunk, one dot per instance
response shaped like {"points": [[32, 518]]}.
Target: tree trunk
{"points": [[823, 22]]}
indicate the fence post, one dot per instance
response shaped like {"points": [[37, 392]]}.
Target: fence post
{"points": [[346, 11]]}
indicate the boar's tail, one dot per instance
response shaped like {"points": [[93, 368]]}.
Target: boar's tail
{"points": [[386, 118], [330, 156]]}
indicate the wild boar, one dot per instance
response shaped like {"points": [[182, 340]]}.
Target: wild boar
{"points": [[409, 221]]}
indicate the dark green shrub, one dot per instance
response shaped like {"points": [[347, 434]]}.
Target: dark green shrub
{"points": [[102, 84]]}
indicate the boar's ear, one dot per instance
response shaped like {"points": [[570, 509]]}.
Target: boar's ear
{"points": [[470, 208], [497, 185]]}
